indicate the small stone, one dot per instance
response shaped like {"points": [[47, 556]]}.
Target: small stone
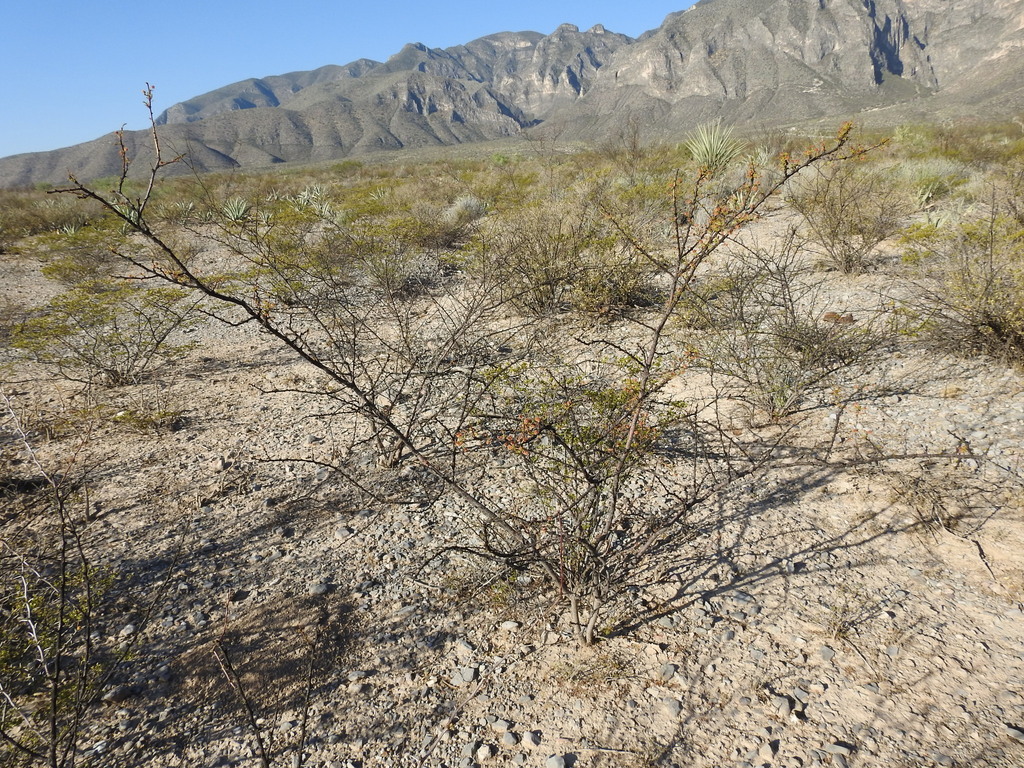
{"points": [[838, 749], [827, 653], [520, 759], [672, 707], [509, 739], [485, 752], [1015, 733], [317, 588], [117, 695], [531, 739], [667, 672], [128, 630], [509, 626], [501, 726], [463, 676], [782, 705], [767, 751], [554, 761]]}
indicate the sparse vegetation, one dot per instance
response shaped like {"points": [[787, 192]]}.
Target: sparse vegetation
{"points": [[106, 331], [849, 210], [587, 376]]}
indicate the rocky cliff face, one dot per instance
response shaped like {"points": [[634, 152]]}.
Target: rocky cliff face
{"points": [[763, 62], [783, 61]]}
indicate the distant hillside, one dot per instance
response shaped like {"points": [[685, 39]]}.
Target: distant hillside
{"points": [[751, 62]]}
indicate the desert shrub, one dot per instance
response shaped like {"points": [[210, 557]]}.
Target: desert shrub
{"points": [[435, 227], [23, 214], [539, 253], [770, 337], [107, 331], [559, 254], [848, 210], [929, 180], [972, 286], [444, 380], [1009, 189], [464, 210], [149, 412], [60, 610], [84, 255], [579, 437]]}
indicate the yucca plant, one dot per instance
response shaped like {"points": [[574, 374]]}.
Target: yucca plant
{"points": [[713, 146]]}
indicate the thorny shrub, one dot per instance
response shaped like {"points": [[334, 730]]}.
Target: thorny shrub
{"points": [[849, 210], [436, 375], [973, 286], [107, 331]]}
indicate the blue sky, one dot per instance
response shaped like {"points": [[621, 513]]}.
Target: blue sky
{"points": [[75, 70]]}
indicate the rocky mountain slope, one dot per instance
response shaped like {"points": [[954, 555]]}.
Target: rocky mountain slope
{"points": [[772, 62], [786, 61]]}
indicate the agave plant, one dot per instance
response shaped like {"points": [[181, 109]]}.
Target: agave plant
{"points": [[236, 210], [713, 146]]}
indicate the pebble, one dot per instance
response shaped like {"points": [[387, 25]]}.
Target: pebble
{"points": [[117, 694], [485, 752], [767, 751], [672, 707], [554, 761], [782, 705], [509, 739], [1015, 733], [667, 672], [531, 739], [317, 588], [463, 676], [827, 653]]}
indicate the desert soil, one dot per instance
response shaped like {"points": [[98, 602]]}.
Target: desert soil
{"points": [[867, 616]]}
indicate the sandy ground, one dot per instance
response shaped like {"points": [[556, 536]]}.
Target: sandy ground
{"points": [[861, 616]]}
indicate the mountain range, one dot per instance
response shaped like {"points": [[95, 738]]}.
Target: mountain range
{"points": [[754, 63]]}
